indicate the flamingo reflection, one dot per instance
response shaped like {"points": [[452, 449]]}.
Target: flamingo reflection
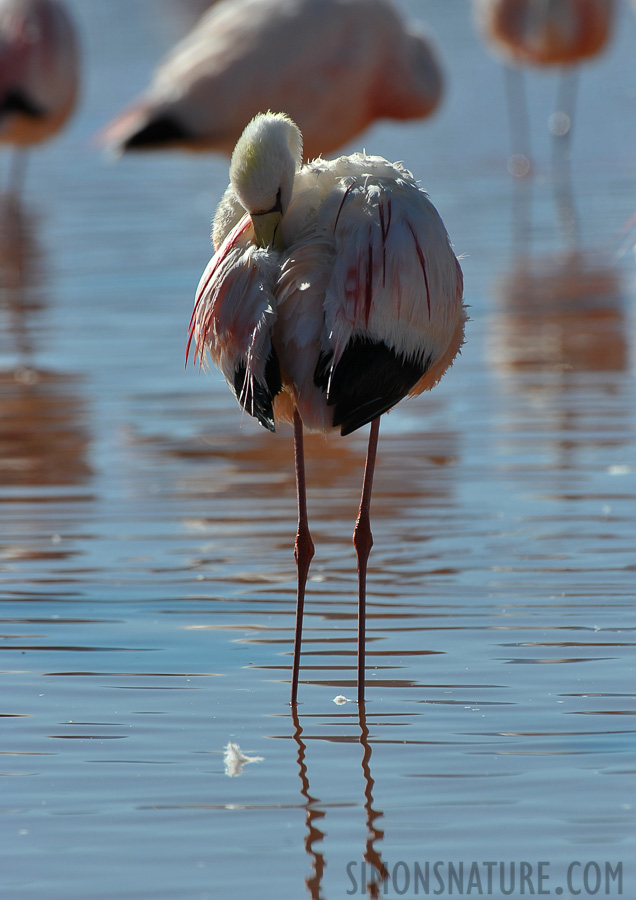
{"points": [[374, 834], [19, 275], [561, 314], [561, 345], [315, 814], [47, 441]]}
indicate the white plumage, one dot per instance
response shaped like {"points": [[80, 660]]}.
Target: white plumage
{"points": [[364, 256], [333, 293]]}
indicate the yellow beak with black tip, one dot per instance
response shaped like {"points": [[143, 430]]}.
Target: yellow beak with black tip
{"points": [[268, 229]]}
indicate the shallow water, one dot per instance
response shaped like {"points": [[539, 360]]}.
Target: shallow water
{"points": [[146, 569]]}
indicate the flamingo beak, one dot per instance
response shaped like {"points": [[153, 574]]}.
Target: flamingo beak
{"points": [[268, 229]]}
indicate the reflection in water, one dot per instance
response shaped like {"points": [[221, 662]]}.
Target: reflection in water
{"points": [[234, 759], [44, 434], [45, 440], [314, 815], [245, 491], [371, 855], [262, 467], [19, 276], [563, 314], [142, 604], [560, 345]]}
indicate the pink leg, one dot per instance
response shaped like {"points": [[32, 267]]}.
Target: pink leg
{"points": [[303, 549], [363, 541]]}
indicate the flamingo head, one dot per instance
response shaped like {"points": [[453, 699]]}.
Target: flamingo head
{"points": [[264, 162]]}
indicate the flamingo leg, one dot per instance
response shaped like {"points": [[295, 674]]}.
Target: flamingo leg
{"points": [[561, 129], [17, 172], [303, 548], [520, 161], [363, 541]]}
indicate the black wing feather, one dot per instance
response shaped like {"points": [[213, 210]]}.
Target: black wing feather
{"points": [[256, 397], [368, 380], [163, 131], [15, 101]]}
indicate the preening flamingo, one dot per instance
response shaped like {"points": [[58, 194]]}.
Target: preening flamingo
{"points": [[334, 65], [333, 293], [39, 70]]}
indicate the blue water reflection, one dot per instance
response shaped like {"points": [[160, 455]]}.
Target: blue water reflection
{"points": [[146, 571]]}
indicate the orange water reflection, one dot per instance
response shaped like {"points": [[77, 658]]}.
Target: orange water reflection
{"points": [[44, 438], [561, 313]]}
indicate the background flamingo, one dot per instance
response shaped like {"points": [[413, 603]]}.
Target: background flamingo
{"points": [[545, 33], [334, 65], [39, 73]]}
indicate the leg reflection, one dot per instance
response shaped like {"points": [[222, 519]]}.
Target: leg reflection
{"points": [[371, 853], [314, 834], [374, 871]]}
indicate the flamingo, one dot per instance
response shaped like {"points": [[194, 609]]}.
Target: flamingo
{"points": [[334, 65], [333, 293], [546, 33], [39, 73]]}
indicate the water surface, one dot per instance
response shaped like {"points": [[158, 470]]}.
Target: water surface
{"points": [[146, 569]]}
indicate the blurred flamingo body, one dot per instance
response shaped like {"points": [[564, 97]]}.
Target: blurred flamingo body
{"points": [[545, 32], [333, 293], [334, 65], [38, 70]]}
